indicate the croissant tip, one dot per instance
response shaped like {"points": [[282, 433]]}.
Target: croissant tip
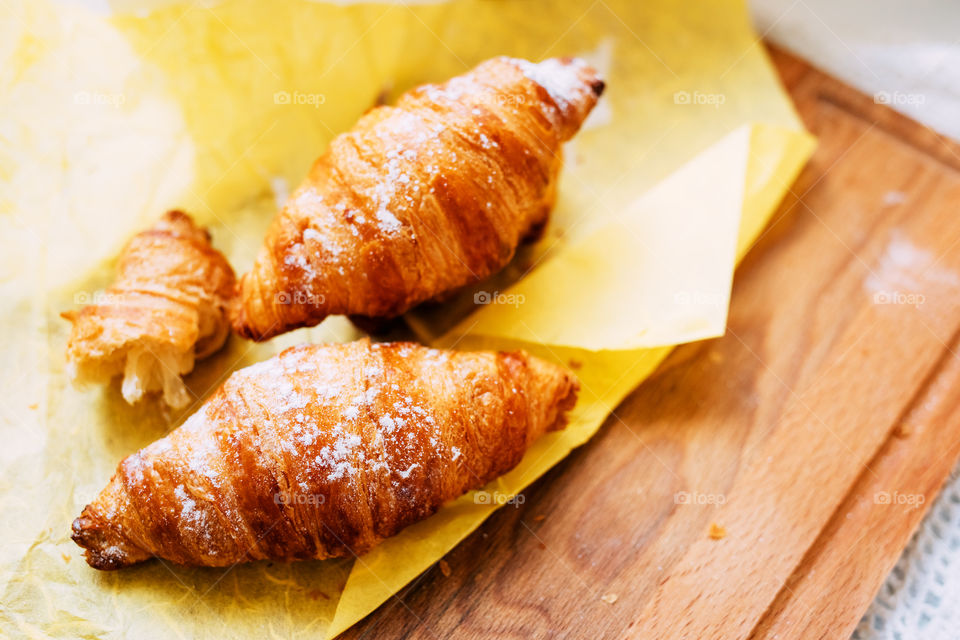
{"points": [[597, 85], [566, 398], [98, 550], [176, 214], [247, 331], [249, 325], [237, 316], [568, 401], [83, 533]]}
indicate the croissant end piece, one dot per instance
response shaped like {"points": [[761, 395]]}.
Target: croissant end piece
{"points": [[324, 451], [166, 308], [419, 199]]}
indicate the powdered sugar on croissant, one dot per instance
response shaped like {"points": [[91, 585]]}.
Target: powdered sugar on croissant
{"points": [[419, 199], [324, 451], [165, 309]]}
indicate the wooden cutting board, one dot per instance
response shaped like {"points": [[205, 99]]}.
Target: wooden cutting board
{"points": [[761, 485]]}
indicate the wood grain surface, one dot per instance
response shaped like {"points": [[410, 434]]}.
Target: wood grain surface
{"points": [[763, 484]]}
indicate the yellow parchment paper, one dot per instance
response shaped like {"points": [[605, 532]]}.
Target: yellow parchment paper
{"points": [[110, 117]]}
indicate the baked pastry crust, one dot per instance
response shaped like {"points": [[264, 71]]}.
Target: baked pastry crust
{"points": [[419, 199], [166, 308], [324, 451]]}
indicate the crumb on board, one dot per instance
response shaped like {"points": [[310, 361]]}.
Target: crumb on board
{"points": [[444, 568], [66, 557], [539, 518], [609, 598], [717, 532], [34, 405], [574, 364]]}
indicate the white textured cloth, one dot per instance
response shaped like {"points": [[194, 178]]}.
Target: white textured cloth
{"points": [[904, 54], [921, 598]]}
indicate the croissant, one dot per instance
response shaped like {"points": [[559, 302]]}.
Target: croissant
{"points": [[165, 309], [323, 451], [419, 199]]}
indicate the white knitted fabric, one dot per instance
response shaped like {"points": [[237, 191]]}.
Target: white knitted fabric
{"points": [[921, 598]]}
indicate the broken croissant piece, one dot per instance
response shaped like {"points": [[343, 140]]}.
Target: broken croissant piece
{"points": [[165, 309], [324, 451], [419, 199]]}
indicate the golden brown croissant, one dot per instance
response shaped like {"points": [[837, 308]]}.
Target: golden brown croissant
{"points": [[419, 199], [166, 308], [323, 451]]}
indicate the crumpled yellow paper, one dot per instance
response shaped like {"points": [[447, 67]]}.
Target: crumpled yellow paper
{"points": [[110, 118]]}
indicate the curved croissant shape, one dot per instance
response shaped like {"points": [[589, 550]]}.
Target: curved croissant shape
{"points": [[323, 451], [419, 199], [166, 308]]}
